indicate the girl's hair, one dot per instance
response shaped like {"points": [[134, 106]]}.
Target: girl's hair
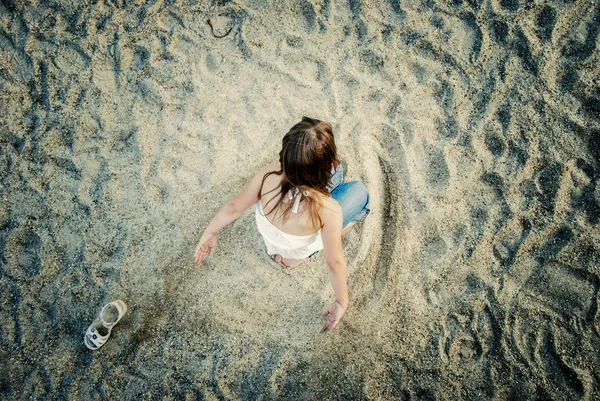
{"points": [[307, 157]]}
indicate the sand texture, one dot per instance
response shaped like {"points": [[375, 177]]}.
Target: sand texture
{"points": [[475, 125]]}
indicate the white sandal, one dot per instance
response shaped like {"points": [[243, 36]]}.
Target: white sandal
{"points": [[109, 316]]}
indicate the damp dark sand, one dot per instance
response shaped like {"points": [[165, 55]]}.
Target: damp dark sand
{"points": [[475, 125]]}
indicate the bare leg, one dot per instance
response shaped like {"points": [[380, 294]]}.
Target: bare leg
{"points": [[292, 263], [347, 228], [287, 263]]}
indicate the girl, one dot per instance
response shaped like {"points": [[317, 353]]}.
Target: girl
{"points": [[301, 207]]}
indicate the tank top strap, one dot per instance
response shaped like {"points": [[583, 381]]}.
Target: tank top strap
{"points": [[296, 195]]}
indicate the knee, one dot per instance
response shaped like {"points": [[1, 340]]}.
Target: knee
{"points": [[359, 191]]}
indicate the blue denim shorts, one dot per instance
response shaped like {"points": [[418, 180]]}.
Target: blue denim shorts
{"points": [[352, 196]]}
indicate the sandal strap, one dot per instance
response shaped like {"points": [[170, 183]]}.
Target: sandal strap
{"points": [[121, 309], [95, 338]]}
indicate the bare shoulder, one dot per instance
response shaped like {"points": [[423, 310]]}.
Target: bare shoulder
{"points": [[331, 209], [270, 168], [272, 181]]}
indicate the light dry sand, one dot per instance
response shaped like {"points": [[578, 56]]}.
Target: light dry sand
{"points": [[475, 125]]}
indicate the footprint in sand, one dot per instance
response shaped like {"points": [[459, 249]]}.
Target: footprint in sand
{"points": [[507, 244], [20, 248], [471, 333], [552, 330]]}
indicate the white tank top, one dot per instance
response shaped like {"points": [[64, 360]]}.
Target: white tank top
{"points": [[287, 245]]}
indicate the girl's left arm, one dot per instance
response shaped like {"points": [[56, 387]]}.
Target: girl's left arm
{"points": [[331, 232], [230, 211]]}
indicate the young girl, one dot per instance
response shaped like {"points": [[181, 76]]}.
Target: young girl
{"points": [[301, 207]]}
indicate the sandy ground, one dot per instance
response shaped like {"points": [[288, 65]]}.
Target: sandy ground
{"points": [[475, 125]]}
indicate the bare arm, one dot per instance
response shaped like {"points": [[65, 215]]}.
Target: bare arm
{"points": [[232, 209], [337, 267]]}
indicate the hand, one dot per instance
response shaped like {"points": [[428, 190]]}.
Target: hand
{"points": [[206, 246], [333, 313]]}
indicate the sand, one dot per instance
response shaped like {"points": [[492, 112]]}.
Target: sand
{"points": [[474, 124]]}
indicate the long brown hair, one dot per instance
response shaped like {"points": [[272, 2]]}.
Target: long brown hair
{"points": [[306, 159]]}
